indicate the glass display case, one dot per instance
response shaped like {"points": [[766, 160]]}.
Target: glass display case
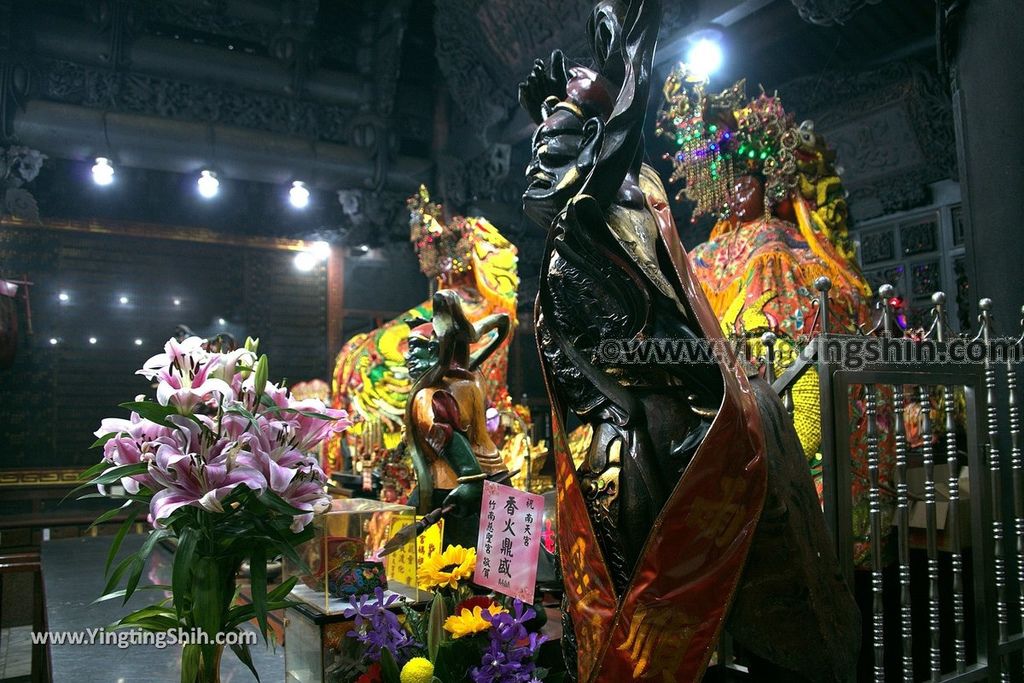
{"points": [[343, 560], [343, 563]]}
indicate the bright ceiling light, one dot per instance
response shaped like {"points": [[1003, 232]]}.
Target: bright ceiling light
{"points": [[321, 249], [63, 296], [123, 300], [93, 340], [138, 342], [208, 184], [102, 171], [306, 261], [299, 195], [53, 341], [705, 56]]}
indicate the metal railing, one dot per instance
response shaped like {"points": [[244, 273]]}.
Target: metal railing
{"points": [[948, 604]]}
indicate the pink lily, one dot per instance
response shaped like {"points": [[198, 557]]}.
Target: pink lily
{"points": [[199, 470]]}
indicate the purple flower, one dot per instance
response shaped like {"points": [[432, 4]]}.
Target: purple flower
{"points": [[378, 628], [185, 374], [223, 435], [509, 657], [196, 468]]}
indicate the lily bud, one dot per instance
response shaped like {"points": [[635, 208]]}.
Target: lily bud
{"points": [[252, 345], [260, 380]]}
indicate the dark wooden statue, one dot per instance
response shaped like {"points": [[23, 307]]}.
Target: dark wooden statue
{"points": [[693, 502], [446, 424]]}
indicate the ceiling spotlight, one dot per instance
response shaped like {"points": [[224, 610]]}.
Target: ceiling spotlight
{"points": [[299, 195], [306, 261], [705, 55], [365, 248], [102, 171], [177, 302], [208, 184], [63, 296], [123, 300], [138, 342], [92, 340], [321, 249], [53, 341], [222, 321]]}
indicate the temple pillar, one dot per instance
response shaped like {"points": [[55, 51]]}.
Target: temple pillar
{"points": [[986, 41]]}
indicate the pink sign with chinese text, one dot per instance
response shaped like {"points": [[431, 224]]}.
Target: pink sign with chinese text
{"points": [[509, 540]]}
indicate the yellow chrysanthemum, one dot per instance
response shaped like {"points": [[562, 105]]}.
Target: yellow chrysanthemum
{"points": [[447, 569], [469, 622], [417, 670]]}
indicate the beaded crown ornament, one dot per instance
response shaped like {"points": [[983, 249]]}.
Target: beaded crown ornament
{"points": [[442, 247], [721, 136]]}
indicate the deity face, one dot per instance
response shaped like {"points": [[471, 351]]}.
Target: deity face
{"points": [[563, 148], [421, 356], [746, 199]]}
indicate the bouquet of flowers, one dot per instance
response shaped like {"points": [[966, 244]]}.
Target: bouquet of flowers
{"points": [[460, 637], [221, 462]]}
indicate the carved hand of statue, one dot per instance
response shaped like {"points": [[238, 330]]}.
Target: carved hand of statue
{"points": [[465, 498], [542, 83]]}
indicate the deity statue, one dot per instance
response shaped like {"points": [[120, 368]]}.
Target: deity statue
{"points": [[466, 255], [687, 514], [781, 224], [445, 418]]}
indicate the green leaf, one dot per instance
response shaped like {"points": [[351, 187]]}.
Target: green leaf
{"points": [[119, 570], [239, 410], [282, 591], [109, 477], [151, 410], [435, 625], [258, 585], [190, 664], [181, 570], [155, 537], [245, 656], [279, 504], [209, 661], [120, 593], [116, 545], [134, 574], [145, 613], [109, 514], [454, 660], [140, 564], [94, 470], [389, 667], [102, 441]]}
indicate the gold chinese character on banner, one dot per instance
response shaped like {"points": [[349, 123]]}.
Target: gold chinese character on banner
{"points": [[658, 636]]}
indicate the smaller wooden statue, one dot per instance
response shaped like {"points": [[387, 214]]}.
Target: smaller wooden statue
{"points": [[445, 419]]}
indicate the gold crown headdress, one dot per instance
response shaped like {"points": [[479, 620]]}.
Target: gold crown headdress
{"points": [[721, 136], [441, 247]]}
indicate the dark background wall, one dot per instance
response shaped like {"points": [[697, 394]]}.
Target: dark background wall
{"points": [[56, 394]]}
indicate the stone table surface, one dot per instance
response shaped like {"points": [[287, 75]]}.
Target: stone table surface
{"points": [[73, 578]]}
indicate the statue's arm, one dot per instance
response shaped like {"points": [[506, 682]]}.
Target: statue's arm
{"points": [[500, 323]]}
